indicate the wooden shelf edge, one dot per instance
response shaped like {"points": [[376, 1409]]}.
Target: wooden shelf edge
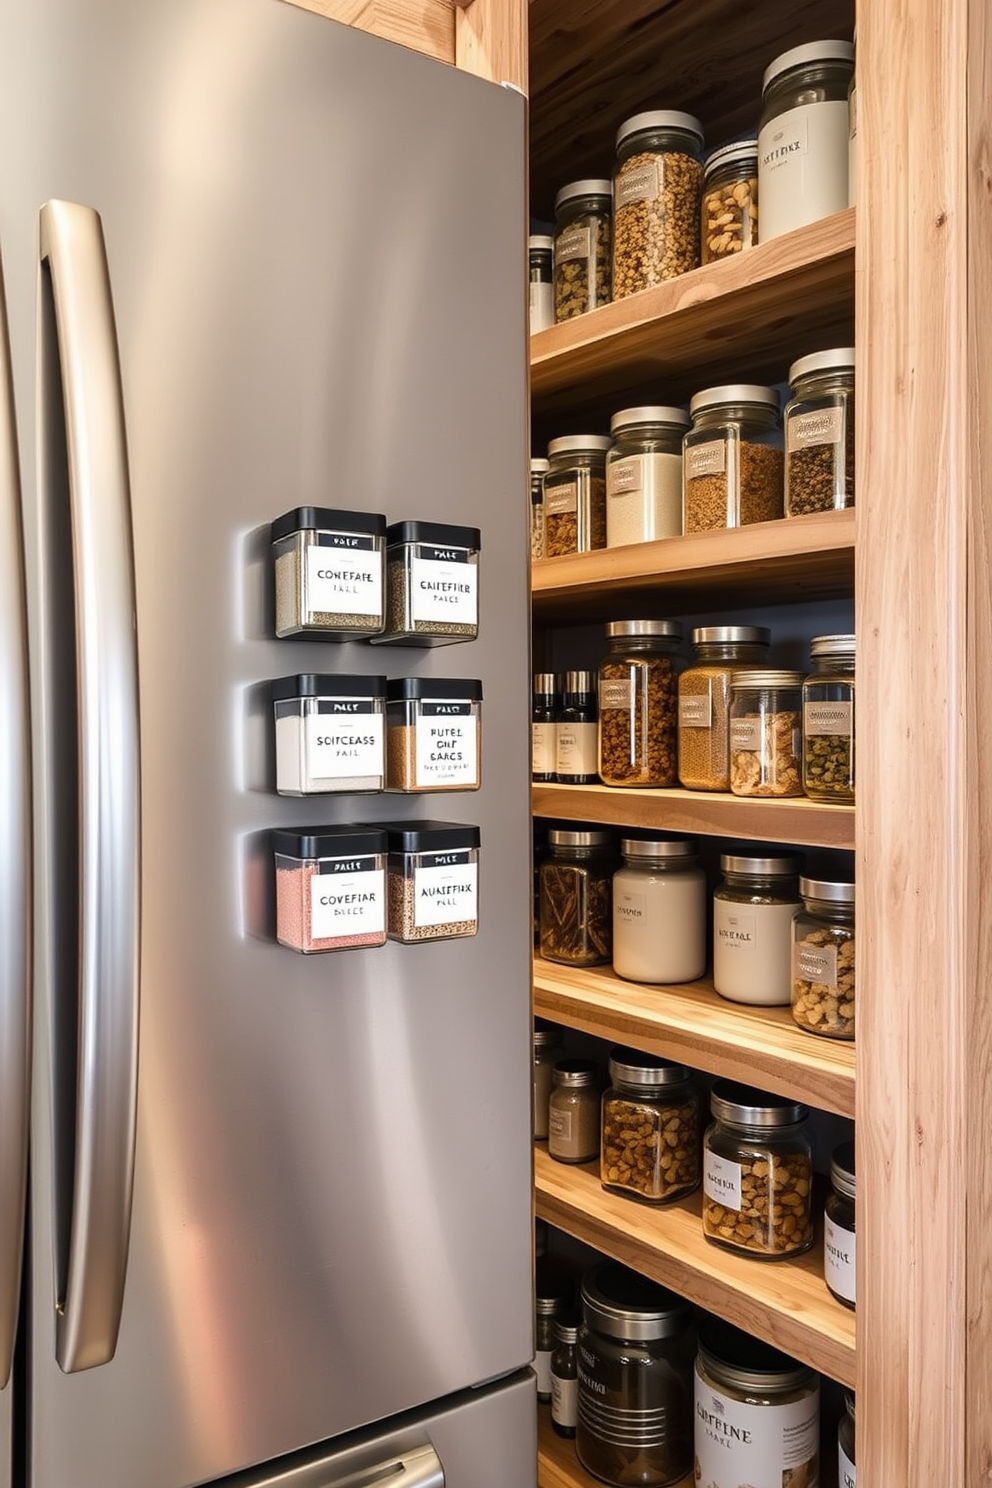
{"points": [[557, 1464]]}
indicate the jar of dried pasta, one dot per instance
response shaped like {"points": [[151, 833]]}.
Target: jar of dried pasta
{"points": [[766, 733], [828, 720], [732, 458], [650, 1141], [819, 433], [704, 700], [637, 703], [575, 494], [576, 897], [823, 959], [656, 188], [583, 242], [757, 1173], [729, 214]]}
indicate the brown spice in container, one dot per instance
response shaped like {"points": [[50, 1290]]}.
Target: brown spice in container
{"points": [[704, 752], [711, 502], [563, 532], [816, 481], [637, 744]]}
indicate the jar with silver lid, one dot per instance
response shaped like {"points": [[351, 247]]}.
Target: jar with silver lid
{"points": [[540, 253], [823, 999], [839, 1254], [644, 475], [704, 700], [729, 213], [828, 720], [637, 703], [656, 187], [575, 494], [819, 433], [583, 247], [576, 731], [803, 136], [659, 912], [538, 470], [757, 1173], [732, 458], [553, 1294], [548, 1050], [650, 1140], [753, 910], [576, 893], [847, 1472], [573, 1111], [544, 728], [766, 733], [565, 1374]]}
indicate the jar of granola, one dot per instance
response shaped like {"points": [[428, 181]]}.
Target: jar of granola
{"points": [[650, 1145], [732, 458], [757, 1173], [656, 187], [823, 959], [819, 433], [583, 232], [637, 703], [766, 733], [575, 494]]}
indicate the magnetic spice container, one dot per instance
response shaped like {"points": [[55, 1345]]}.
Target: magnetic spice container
{"points": [[819, 433], [650, 1139], [729, 214], [732, 458], [329, 580], [644, 475], [803, 136], [432, 881], [637, 703], [757, 1173], [704, 700], [330, 888], [575, 494], [753, 910], [839, 1253], [329, 733], [573, 1111], [583, 245], [656, 187], [432, 576], [828, 720], [433, 734]]}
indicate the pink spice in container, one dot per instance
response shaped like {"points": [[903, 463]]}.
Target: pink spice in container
{"points": [[330, 888]]}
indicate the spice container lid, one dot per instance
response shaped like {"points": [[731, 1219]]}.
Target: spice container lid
{"points": [[576, 444], [749, 1362], [710, 635], [429, 836], [835, 645], [783, 865], [566, 1327], [743, 680], [634, 1068], [322, 684], [623, 1304], [327, 519], [653, 849], [575, 1073], [575, 189], [813, 51], [734, 392], [842, 1170], [745, 1106], [558, 837], [628, 418], [579, 682], [840, 359], [441, 533], [544, 683], [540, 242], [737, 150], [465, 688], [538, 466], [830, 893], [645, 628], [329, 842], [660, 119]]}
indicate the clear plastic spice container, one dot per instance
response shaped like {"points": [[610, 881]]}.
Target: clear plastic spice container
{"points": [[432, 880], [638, 713], [839, 1254], [576, 895], [650, 1141], [819, 433], [434, 734], [753, 910], [583, 247], [329, 733], [575, 495], [803, 136], [823, 959], [636, 1348], [828, 720], [757, 1173], [538, 470], [432, 576], [847, 1472], [544, 728], [330, 888], [573, 1111], [656, 188], [659, 912], [329, 577], [576, 732], [729, 213], [732, 458], [704, 700], [565, 1374], [644, 475], [547, 1052], [766, 733], [540, 254]]}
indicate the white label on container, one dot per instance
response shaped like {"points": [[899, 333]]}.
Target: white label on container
{"points": [[616, 693], [763, 1446], [829, 718], [636, 184], [625, 475], [561, 498], [560, 1125], [815, 963], [344, 745], [447, 749], [573, 243], [564, 1400], [445, 894], [347, 902], [838, 1259], [847, 1473], [542, 306], [752, 951], [722, 1180], [444, 590], [734, 932], [802, 166], [543, 748], [343, 581], [542, 1368], [705, 459], [821, 426], [644, 498], [745, 733], [578, 749], [628, 907], [696, 711]]}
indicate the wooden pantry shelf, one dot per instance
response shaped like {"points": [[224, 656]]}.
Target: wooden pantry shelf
{"points": [[785, 1302], [557, 1464], [691, 1023]]}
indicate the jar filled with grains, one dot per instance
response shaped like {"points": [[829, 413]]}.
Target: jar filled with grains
{"points": [[766, 733], [433, 734], [637, 703], [656, 190], [432, 880], [576, 897], [819, 433], [729, 213], [573, 1111], [753, 910], [575, 494], [540, 254], [329, 575], [329, 733], [823, 959], [704, 700], [828, 720], [659, 912], [650, 1141], [583, 246], [330, 888], [803, 136], [732, 458], [839, 1255], [538, 470], [547, 1052], [757, 1173], [432, 575], [644, 475]]}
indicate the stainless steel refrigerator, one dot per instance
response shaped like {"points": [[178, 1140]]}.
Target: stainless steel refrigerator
{"points": [[277, 1204]]}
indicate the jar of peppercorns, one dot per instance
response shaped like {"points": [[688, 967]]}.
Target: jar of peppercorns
{"points": [[638, 709], [757, 1173], [650, 1141], [656, 187], [583, 222]]}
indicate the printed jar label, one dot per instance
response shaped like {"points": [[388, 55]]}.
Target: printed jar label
{"points": [[347, 898], [348, 744], [734, 932], [445, 894], [815, 963], [573, 243], [764, 1446], [616, 694], [722, 1180], [624, 475], [543, 748], [343, 580], [823, 426], [564, 1400], [705, 459], [560, 1125], [696, 711], [639, 183], [745, 733], [542, 1368], [802, 166], [829, 718], [838, 1259], [627, 907], [444, 589], [446, 745], [578, 749], [847, 1473], [644, 498], [561, 498]]}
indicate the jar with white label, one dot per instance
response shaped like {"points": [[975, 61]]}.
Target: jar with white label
{"points": [[839, 1255], [732, 458], [329, 573], [757, 1173], [847, 1472], [565, 1374], [729, 218], [432, 881], [583, 247], [766, 733], [803, 136], [547, 1052], [753, 909], [656, 188], [544, 728], [828, 720], [638, 713], [329, 733], [553, 1293], [540, 253], [538, 470], [577, 732], [433, 734], [704, 700], [757, 1413], [573, 1111], [432, 576], [650, 1139], [576, 894], [823, 987], [330, 888], [659, 912], [819, 433], [644, 475], [575, 495]]}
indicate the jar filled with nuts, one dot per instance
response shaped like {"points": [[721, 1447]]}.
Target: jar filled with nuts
{"points": [[839, 1256], [650, 1145], [540, 250], [704, 700], [656, 190], [644, 475], [757, 1173], [583, 246], [819, 433], [575, 494], [828, 720], [766, 733], [803, 136], [576, 896], [753, 909], [637, 703], [732, 458], [823, 959], [729, 218]]}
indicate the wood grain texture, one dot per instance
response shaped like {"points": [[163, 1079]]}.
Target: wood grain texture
{"points": [[424, 25], [491, 40], [557, 1464]]}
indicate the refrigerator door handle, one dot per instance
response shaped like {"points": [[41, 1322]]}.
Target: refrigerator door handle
{"points": [[418, 1468], [89, 1311]]}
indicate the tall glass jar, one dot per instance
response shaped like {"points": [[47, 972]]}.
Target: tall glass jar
{"points": [[637, 703], [704, 700], [659, 912], [828, 720], [729, 213], [576, 731], [757, 1173], [538, 470], [573, 1111], [540, 251], [766, 733], [650, 1142], [544, 728], [575, 495], [583, 247], [823, 999], [732, 458], [753, 910], [547, 1052], [839, 1254], [819, 433], [847, 1472], [576, 895], [803, 136], [644, 475], [656, 188]]}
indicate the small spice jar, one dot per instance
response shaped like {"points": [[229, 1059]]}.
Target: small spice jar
{"points": [[650, 1138], [576, 731], [329, 573], [847, 1472], [565, 1374], [656, 188], [757, 1412], [576, 892], [644, 475], [583, 247], [753, 909], [538, 470], [540, 251], [573, 1111], [432, 575], [329, 733], [838, 1227], [704, 700], [553, 1294], [732, 458], [729, 213], [432, 881], [766, 733], [636, 1348], [803, 136], [638, 713], [547, 1052], [433, 734], [544, 731], [819, 433], [330, 888], [575, 495], [828, 720], [823, 959], [757, 1173], [659, 912]]}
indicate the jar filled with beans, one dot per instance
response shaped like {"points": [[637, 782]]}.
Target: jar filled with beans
{"points": [[819, 433], [704, 700], [732, 458], [757, 1173], [766, 733], [583, 247], [575, 494], [656, 192], [823, 959], [638, 703], [828, 720], [729, 215], [650, 1143]]}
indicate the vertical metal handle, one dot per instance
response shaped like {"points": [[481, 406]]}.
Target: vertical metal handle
{"points": [[89, 1312]]}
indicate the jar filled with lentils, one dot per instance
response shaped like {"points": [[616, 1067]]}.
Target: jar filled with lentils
{"points": [[823, 959], [819, 433], [828, 720], [656, 192], [650, 1142], [766, 733], [729, 215], [637, 703], [732, 458], [575, 494], [704, 700], [644, 475], [757, 1173], [583, 246]]}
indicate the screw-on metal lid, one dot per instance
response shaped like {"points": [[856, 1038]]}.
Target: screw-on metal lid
{"points": [[624, 1304], [781, 865], [580, 682], [734, 392], [833, 645], [747, 1362], [653, 850], [538, 466], [546, 1035], [544, 683], [644, 628], [813, 51], [743, 151], [575, 189], [660, 119], [714, 635], [830, 893], [743, 680], [632, 1067], [575, 1074], [841, 359], [580, 444], [559, 837], [629, 418], [741, 1105], [566, 1326], [842, 1170], [541, 243]]}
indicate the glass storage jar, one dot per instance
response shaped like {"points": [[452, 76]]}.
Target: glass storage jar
{"points": [[433, 734], [540, 254], [659, 912], [757, 1173], [823, 998], [847, 1472], [636, 1348], [575, 494], [329, 577], [704, 700], [576, 731], [573, 1111], [828, 720], [766, 733], [637, 703], [330, 888], [644, 475], [548, 1050], [583, 247], [432, 880], [329, 733], [565, 1374], [432, 577], [803, 136], [732, 458], [729, 212], [576, 894], [839, 1254], [538, 470], [819, 433], [544, 728], [650, 1137], [656, 187], [753, 910]]}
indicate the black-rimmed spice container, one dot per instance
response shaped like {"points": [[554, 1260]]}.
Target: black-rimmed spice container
{"points": [[433, 881], [432, 581], [329, 573], [330, 888], [433, 734], [329, 733]]}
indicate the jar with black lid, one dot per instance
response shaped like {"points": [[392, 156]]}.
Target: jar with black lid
{"points": [[329, 573], [803, 139], [644, 475], [636, 1349], [819, 433], [732, 458], [576, 731], [432, 577], [847, 1472], [540, 254], [757, 1173], [575, 494], [704, 700], [828, 720], [650, 1142], [576, 897], [565, 1374], [766, 733], [839, 1254], [729, 217], [637, 703], [656, 189], [823, 955], [583, 247]]}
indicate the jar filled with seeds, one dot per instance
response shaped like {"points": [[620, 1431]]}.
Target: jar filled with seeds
{"points": [[330, 888], [432, 575], [847, 1472], [839, 1255], [432, 880], [544, 728], [644, 475], [650, 1142], [637, 703], [575, 494], [547, 1052], [757, 1173], [433, 734], [583, 247], [753, 909], [803, 136], [828, 720], [823, 959], [573, 1111], [576, 897], [819, 433], [540, 254], [659, 912], [656, 191], [766, 733], [329, 733], [576, 731], [704, 700], [329, 573], [538, 470], [732, 458], [729, 213]]}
